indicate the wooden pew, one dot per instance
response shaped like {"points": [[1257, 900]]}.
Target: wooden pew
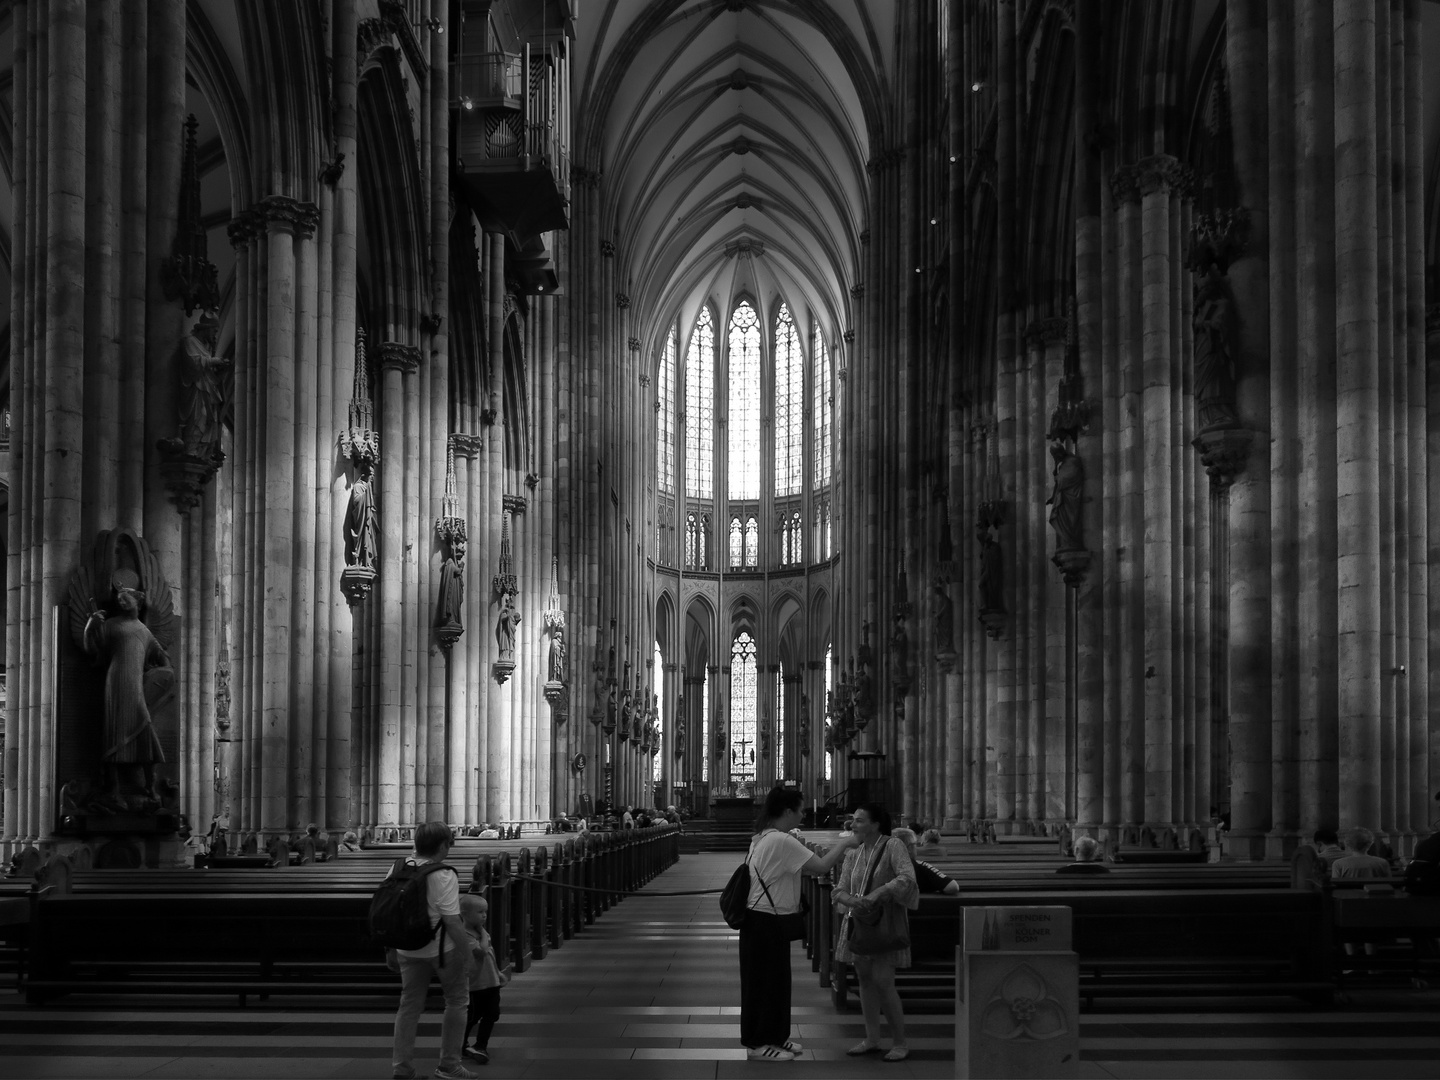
{"points": [[296, 930]]}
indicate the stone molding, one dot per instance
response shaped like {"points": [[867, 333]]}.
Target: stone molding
{"points": [[607, 248], [583, 177], [396, 354], [634, 344], [622, 300], [857, 290], [514, 503]]}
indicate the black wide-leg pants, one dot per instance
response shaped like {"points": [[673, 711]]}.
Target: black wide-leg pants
{"points": [[764, 981]]}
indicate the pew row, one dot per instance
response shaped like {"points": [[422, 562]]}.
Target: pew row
{"points": [[307, 933]]}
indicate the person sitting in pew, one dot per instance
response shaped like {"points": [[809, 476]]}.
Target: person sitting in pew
{"points": [[1087, 851], [1356, 863], [929, 879], [1422, 876]]}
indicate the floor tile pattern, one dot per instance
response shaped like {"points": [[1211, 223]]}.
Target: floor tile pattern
{"points": [[650, 991]]}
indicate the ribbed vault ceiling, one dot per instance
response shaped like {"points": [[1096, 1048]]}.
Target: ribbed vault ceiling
{"points": [[732, 137]]}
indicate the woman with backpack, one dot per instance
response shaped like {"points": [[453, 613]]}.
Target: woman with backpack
{"points": [[772, 922]]}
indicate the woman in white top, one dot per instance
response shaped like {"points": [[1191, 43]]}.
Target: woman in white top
{"points": [[776, 861]]}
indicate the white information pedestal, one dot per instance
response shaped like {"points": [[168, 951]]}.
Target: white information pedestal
{"points": [[1017, 994]]}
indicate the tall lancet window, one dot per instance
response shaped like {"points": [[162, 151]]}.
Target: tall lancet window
{"points": [[744, 377], [829, 691], [665, 420], [789, 405], [657, 763], [700, 409], [822, 411], [742, 708]]}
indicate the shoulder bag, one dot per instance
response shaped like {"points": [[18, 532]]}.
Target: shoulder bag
{"points": [[877, 927]]}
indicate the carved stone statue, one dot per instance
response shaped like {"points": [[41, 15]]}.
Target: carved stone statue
{"points": [[990, 585], [202, 389], [900, 647], [505, 626], [1215, 374], [944, 621], [1065, 496], [557, 655], [138, 677], [449, 612], [362, 527]]}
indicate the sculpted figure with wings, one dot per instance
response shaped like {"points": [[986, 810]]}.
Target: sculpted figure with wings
{"points": [[121, 614]]}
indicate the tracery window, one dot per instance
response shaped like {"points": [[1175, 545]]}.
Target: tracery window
{"points": [[822, 527], [742, 708], [700, 409], [737, 544], [789, 405], [752, 543], [703, 689], [744, 413], [696, 530], [665, 420], [822, 408], [791, 539]]}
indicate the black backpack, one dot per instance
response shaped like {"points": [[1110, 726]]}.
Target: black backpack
{"points": [[735, 897], [400, 910]]}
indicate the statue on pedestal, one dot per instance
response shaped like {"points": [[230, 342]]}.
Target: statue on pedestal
{"points": [[362, 523], [450, 610], [127, 631], [505, 626], [1065, 496]]}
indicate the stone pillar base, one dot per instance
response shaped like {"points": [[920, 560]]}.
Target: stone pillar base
{"points": [[1244, 847]]}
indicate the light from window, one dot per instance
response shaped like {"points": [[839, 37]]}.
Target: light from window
{"points": [[742, 708], [752, 543], [744, 376], [789, 405], [737, 551], [665, 422], [822, 410], [700, 409], [791, 535]]}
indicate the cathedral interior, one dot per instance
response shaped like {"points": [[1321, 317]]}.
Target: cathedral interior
{"points": [[1020, 411]]}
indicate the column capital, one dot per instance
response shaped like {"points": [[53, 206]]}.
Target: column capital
{"points": [[281, 211], [466, 445], [514, 503], [396, 354]]}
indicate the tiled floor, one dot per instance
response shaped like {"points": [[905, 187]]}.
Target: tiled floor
{"points": [[650, 991]]}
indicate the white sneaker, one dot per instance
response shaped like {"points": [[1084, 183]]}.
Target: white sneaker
{"points": [[769, 1053], [792, 1045]]}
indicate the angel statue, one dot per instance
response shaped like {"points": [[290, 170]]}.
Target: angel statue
{"points": [[127, 632]]}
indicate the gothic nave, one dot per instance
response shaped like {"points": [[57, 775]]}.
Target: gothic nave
{"points": [[1019, 409]]}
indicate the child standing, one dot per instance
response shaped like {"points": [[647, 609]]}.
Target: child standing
{"points": [[485, 978]]}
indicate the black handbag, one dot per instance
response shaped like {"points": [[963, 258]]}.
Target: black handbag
{"points": [[877, 927]]}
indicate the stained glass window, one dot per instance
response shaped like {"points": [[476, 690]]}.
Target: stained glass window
{"points": [[790, 538], [752, 542], [829, 689], [789, 405], [658, 768], [822, 407], [700, 409], [665, 421], [737, 554], [779, 726], [703, 690], [742, 708], [695, 541], [744, 378]]}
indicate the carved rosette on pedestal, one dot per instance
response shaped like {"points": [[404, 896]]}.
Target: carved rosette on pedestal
{"points": [[557, 693], [361, 444], [506, 585]]}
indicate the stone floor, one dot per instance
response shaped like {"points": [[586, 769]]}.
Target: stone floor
{"points": [[650, 991]]}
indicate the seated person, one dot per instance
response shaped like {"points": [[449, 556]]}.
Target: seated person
{"points": [[489, 832], [1356, 864], [1422, 876], [929, 879], [930, 843], [563, 823], [1087, 851]]}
